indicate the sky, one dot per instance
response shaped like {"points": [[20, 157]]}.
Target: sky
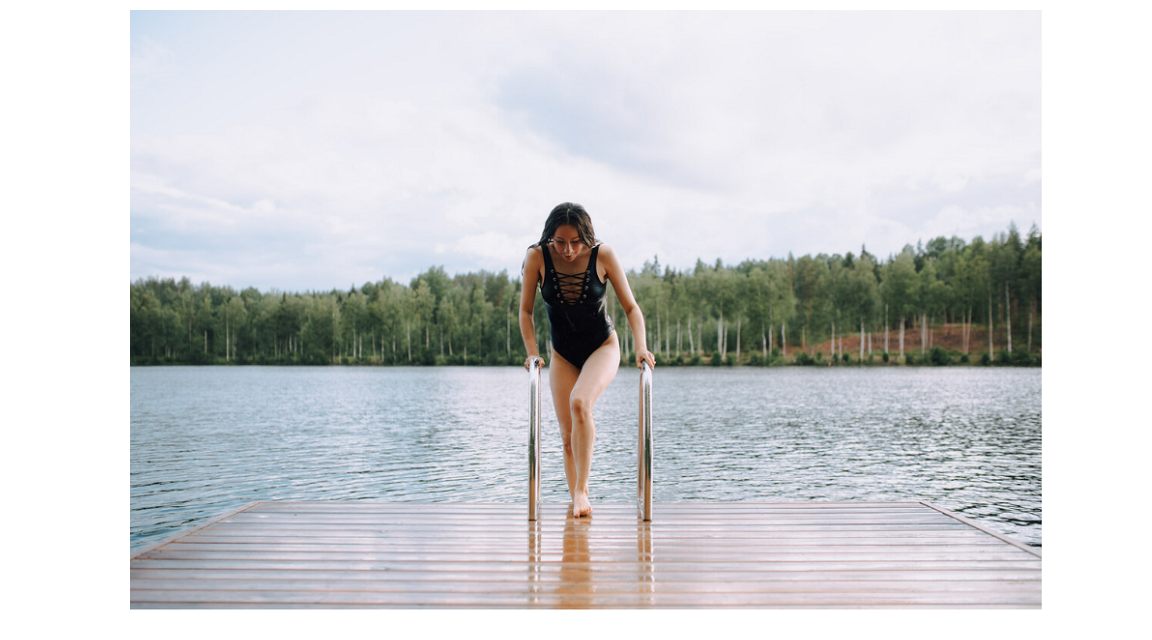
{"points": [[314, 150]]}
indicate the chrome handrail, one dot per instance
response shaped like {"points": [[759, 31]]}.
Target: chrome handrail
{"points": [[534, 441], [644, 477], [644, 451]]}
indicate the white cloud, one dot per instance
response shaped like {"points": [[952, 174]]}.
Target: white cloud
{"points": [[149, 58], [153, 198], [686, 135], [968, 222], [490, 246]]}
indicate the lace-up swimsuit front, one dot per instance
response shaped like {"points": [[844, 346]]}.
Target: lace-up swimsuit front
{"points": [[577, 309]]}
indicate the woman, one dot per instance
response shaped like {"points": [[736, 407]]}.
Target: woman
{"points": [[573, 272]]}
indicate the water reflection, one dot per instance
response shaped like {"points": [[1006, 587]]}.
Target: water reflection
{"points": [[575, 567], [596, 565], [645, 557], [535, 561]]}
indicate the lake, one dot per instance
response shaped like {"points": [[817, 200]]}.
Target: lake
{"points": [[208, 439]]}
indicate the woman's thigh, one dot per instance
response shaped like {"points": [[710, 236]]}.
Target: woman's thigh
{"points": [[599, 370], [562, 376]]}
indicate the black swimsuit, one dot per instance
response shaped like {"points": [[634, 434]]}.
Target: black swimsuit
{"points": [[577, 309]]}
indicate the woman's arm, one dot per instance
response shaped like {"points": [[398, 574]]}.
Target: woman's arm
{"points": [[531, 278], [615, 273]]}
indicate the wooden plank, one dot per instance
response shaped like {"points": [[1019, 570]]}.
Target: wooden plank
{"points": [[690, 524], [554, 574], [744, 537], [390, 565], [561, 546], [489, 506], [582, 600], [525, 587], [432, 528], [436, 506], [305, 605], [557, 508], [441, 507], [602, 511], [355, 544], [604, 557], [479, 519], [694, 519], [762, 555]]}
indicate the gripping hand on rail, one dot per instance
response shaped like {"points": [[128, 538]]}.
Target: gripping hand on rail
{"points": [[643, 355]]}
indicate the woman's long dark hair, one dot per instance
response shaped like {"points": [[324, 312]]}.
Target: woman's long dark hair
{"points": [[572, 214], [566, 213]]}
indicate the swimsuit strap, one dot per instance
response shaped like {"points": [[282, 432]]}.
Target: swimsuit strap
{"points": [[547, 259]]}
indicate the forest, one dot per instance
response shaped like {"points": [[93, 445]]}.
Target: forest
{"points": [[943, 302]]}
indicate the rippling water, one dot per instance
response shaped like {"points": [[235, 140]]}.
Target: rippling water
{"points": [[206, 439]]}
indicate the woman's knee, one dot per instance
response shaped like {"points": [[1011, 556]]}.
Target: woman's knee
{"points": [[581, 408]]}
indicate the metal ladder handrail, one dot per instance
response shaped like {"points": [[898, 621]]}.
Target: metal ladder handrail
{"points": [[644, 475], [534, 441], [644, 472]]}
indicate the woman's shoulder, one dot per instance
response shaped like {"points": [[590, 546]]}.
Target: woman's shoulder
{"points": [[534, 256], [606, 252]]}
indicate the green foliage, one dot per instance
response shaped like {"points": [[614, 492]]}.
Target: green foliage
{"points": [[1003, 358], [901, 287], [782, 299], [804, 359], [939, 357], [1021, 358], [696, 360], [964, 359], [910, 358], [985, 359], [847, 358]]}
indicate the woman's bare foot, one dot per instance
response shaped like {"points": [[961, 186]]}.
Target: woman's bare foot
{"points": [[580, 505]]}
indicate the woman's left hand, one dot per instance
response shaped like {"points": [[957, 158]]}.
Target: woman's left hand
{"points": [[645, 355]]}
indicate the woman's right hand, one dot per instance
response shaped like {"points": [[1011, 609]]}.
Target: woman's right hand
{"points": [[644, 355], [528, 362]]}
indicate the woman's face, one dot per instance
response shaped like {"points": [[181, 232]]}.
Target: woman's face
{"points": [[567, 242]]}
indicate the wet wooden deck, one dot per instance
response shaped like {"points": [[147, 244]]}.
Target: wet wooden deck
{"points": [[410, 555]]}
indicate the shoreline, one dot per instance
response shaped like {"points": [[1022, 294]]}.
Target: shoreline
{"points": [[876, 361]]}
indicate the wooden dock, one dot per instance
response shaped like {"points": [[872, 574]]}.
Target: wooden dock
{"points": [[752, 555]]}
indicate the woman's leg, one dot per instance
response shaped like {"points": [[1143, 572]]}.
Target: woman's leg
{"points": [[598, 371], [562, 377]]}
